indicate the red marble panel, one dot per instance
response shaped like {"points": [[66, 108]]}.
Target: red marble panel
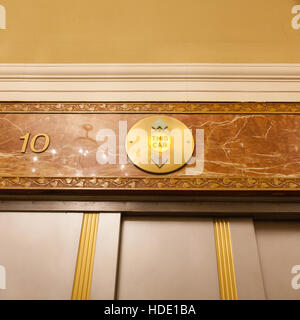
{"points": [[241, 145]]}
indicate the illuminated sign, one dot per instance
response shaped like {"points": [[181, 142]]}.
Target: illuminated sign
{"points": [[159, 144]]}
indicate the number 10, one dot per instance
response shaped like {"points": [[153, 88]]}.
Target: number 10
{"points": [[33, 141]]}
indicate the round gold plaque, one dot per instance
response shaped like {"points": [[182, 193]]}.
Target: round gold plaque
{"points": [[159, 144]]}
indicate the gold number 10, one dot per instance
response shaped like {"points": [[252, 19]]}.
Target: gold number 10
{"points": [[33, 141]]}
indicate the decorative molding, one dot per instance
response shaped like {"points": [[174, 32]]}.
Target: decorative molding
{"points": [[145, 107], [146, 71], [227, 279], [85, 259], [150, 82], [151, 183]]}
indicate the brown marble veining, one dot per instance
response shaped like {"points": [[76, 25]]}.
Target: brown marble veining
{"points": [[254, 145]]}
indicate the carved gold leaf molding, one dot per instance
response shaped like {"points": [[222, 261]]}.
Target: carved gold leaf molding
{"points": [[99, 107], [151, 183]]}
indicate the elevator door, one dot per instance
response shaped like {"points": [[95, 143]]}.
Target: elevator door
{"points": [[38, 253], [167, 258], [279, 250], [56, 255]]}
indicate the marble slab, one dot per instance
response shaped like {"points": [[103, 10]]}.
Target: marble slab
{"points": [[235, 145]]}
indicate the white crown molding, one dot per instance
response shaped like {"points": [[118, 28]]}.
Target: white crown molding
{"points": [[150, 82], [80, 72]]}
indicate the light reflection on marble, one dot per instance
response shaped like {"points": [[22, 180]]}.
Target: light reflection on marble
{"points": [[237, 145]]}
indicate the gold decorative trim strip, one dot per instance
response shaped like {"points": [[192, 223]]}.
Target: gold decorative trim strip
{"points": [[85, 258], [144, 107], [227, 280], [151, 183]]}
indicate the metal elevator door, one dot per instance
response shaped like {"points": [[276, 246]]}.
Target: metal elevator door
{"points": [[145, 257], [167, 258]]}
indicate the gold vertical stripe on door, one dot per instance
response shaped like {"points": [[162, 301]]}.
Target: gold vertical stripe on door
{"points": [[85, 258], [227, 280]]}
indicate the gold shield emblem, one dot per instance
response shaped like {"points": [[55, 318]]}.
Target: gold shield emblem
{"points": [[159, 144]]}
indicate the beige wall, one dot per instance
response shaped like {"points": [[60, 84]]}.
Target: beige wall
{"points": [[149, 31]]}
